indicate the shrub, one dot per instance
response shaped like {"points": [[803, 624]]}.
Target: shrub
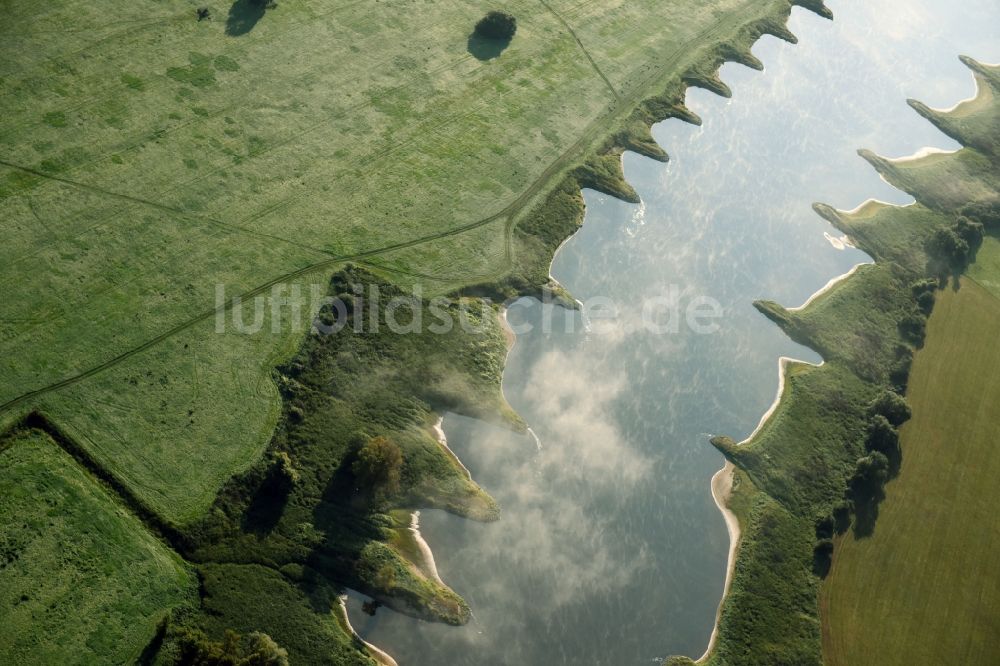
{"points": [[969, 231], [254, 649], [949, 248], [883, 438], [892, 406], [824, 527], [870, 475], [913, 327], [842, 516], [497, 25], [985, 213]]}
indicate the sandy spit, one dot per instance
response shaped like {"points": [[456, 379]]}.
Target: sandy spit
{"points": [[722, 486], [378, 654], [443, 441], [426, 554]]}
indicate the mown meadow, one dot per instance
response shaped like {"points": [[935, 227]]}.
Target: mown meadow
{"points": [[922, 588]]}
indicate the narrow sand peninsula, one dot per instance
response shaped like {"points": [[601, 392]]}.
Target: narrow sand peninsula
{"points": [[722, 486], [443, 441], [427, 565], [377, 654]]}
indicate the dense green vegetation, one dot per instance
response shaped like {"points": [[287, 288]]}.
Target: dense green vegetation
{"points": [[922, 589], [81, 579], [161, 168], [497, 25], [354, 442], [820, 463], [242, 598]]}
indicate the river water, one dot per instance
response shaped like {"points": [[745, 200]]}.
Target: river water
{"points": [[610, 549]]}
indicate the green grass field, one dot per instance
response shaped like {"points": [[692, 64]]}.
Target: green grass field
{"points": [[923, 589], [81, 579], [986, 270], [146, 158]]}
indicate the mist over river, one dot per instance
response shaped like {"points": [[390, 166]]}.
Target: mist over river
{"points": [[610, 549]]}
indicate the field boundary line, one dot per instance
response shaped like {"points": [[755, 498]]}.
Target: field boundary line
{"points": [[583, 48]]}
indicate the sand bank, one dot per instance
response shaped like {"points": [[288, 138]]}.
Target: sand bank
{"points": [[376, 653]]}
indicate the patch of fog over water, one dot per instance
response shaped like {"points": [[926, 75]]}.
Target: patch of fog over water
{"points": [[610, 549]]}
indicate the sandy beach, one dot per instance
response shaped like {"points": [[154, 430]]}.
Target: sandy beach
{"points": [[428, 566], [827, 287], [722, 486], [443, 441], [377, 654], [922, 153]]}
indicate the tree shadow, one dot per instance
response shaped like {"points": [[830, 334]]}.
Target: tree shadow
{"points": [[267, 506], [243, 16], [822, 558], [895, 461], [866, 514], [484, 48]]}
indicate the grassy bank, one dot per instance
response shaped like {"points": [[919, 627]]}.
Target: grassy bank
{"points": [[820, 462], [81, 579], [922, 589]]}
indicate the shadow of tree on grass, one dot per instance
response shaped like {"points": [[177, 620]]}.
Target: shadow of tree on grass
{"points": [[484, 48]]}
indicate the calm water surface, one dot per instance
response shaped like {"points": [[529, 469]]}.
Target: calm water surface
{"points": [[611, 550]]}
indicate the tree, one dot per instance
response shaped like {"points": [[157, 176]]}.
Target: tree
{"points": [[378, 467], [925, 302], [497, 25], [892, 406], [883, 438], [899, 371], [924, 295], [261, 650], [970, 231], [282, 472], [913, 326], [947, 246], [870, 475], [254, 649], [983, 212], [824, 527]]}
